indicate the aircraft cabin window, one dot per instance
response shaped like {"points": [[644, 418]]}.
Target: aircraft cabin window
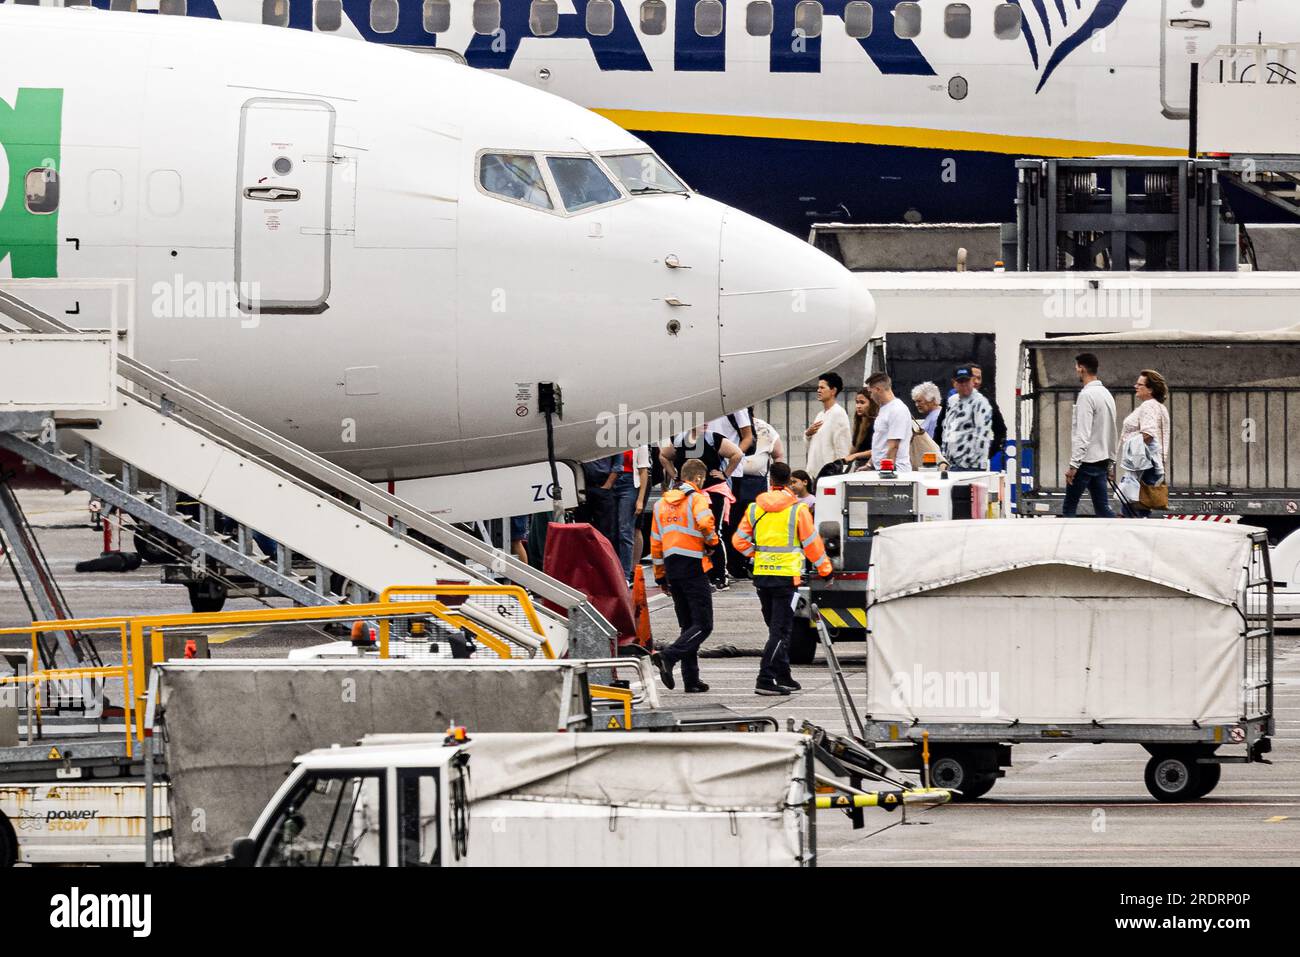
{"points": [[1006, 21], [487, 16], [907, 21], [328, 15], [514, 176], [708, 18], [42, 189], [543, 17], [383, 15], [808, 18], [581, 182], [956, 21], [170, 8], [275, 13], [758, 18], [643, 173], [437, 16], [654, 17], [600, 17], [123, 6], [859, 19]]}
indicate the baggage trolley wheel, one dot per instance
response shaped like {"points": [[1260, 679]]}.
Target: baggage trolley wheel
{"points": [[963, 770], [803, 642], [1210, 774], [1174, 776]]}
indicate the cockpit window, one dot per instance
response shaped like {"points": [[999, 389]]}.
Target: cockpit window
{"points": [[515, 176], [581, 182], [643, 173]]}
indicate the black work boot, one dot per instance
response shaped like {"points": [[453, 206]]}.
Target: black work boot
{"points": [[665, 669]]}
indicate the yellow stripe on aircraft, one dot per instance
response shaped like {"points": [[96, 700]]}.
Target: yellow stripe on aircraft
{"points": [[828, 131]]}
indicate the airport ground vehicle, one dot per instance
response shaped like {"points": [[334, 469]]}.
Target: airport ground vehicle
{"points": [[543, 800], [850, 510], [991, 634]]}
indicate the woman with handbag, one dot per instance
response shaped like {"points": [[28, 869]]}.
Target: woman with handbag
{"points": [[1150, 420]]}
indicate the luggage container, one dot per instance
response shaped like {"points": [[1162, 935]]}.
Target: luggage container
{"points": [[985, 635]]}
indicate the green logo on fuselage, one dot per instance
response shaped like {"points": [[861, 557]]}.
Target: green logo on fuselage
{"points": [[30, 132]]}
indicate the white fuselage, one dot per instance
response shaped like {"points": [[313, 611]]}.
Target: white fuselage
{"points": [[406, 315], [801, 118]]}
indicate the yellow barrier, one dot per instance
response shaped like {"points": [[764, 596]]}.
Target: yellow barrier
{"points": [[134, 629], [453, 590]]}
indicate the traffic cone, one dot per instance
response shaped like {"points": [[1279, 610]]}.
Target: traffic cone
{"points": [[641, 610]]}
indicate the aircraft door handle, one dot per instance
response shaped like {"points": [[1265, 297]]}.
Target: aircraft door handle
{"points": [[273, 194]]}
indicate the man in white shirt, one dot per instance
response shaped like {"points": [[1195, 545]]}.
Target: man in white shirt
{"points": [[1094, 443], [891, 437], [830, 437]]}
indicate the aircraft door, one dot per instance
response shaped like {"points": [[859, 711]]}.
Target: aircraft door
{"points": [[1189, 32], [282, 221]]}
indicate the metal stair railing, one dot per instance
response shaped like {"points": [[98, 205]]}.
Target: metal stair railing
{"points": [[290, 461]]}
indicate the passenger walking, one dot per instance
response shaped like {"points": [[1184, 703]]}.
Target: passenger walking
{"points": [[928, 404], [829, 437], [737, 426], [967, 425], [752, 482], [600, 476], [778, 533], [1093, 442], [720, 456], [891, 438], [865, 411], [623, 495], [1144, 443], [681, 535]]}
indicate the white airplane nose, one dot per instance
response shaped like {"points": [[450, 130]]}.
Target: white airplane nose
{"points": [[787, 311]]}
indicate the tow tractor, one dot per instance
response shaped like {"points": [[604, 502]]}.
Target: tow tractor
{"points": [[850, 509]]}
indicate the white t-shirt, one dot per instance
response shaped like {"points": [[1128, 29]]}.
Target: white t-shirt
{"points": [[832, 441], [722, 425], [758, 462], [893, 422]]}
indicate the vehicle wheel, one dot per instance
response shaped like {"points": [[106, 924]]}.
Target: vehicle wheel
{"points": [[206, 596], [1210, 774], [150, 546], [803, 642], [958, 770], [1172, 776], [981, 784], [8, 844]]}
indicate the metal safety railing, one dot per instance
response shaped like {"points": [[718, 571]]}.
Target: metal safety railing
{"points": [[141, 640], [507, 610]]}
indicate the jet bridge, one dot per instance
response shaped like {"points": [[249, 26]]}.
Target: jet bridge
{"points": [[143, 443]]}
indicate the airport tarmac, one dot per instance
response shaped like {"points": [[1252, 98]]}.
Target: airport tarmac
{"points": [[1062, 803]]}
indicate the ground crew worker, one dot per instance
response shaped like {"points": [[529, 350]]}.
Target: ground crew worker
{"points": [[682, 533], [778, 533]]}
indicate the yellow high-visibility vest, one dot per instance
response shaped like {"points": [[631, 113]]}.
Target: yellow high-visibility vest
{"points": [[776, 541]]}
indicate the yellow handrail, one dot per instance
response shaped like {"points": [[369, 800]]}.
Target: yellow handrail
{"points": [[132, 630], [454, 589]]}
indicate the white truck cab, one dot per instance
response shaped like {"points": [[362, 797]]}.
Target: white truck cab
{"points": [[401, 805], [850, 509]]}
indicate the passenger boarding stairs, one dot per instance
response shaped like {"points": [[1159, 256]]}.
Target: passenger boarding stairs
{"points": [[142, 443]]}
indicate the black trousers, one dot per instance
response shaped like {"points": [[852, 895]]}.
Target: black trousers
{"points": [[778, 612], [718, 574], [693, 602]]}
